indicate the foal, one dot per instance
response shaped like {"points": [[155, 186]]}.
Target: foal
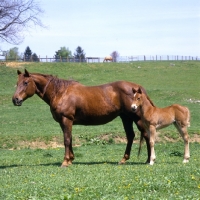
{"points": [[155, 118]]}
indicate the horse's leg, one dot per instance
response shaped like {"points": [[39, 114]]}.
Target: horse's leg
{"points": [[144, 135], [66, 126], [128, 127], [152, 130], [183, 132]]}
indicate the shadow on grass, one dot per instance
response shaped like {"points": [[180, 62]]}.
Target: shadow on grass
{"points": [[74, 163]]}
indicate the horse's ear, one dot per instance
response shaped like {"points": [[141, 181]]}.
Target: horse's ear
{"points": [[139, 90], [134, 90], [18, 72], [26, 73]]}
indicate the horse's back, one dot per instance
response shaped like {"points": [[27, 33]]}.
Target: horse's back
{"points": [[100, 104], [112, 94]]}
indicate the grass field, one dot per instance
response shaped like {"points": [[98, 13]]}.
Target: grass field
{"points": [[95, 174], [35, 174]]}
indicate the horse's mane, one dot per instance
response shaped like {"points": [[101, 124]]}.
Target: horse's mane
{"points": [[151, 102], [59, 84], [62, 82], [148, 98]]}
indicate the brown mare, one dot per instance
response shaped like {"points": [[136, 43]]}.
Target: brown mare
{"points": [[108, 58], [155, 118], [72, 103]]}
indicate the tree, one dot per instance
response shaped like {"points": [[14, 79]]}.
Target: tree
{"points": [[79, 54], [63, 52], [35, 57], [27, 54], [114, 55], [12, 54], [17, 16]]}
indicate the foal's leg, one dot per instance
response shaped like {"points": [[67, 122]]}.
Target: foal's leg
{"points": [[152, 130], [183, 131], [66, 126], [128, 127]]}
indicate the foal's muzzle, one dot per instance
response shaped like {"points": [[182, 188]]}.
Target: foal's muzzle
{"points": [[133, 107], [17, 102]]}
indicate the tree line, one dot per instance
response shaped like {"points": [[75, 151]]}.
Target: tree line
{"points": [[63, 52]]}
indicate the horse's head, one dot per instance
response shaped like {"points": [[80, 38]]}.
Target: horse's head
{"points": [[137, 99], [25, 88]]}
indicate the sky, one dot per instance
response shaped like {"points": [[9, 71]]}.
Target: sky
{"points": [[130, 27]]}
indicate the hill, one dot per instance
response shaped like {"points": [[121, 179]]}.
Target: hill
{"points": [[32, 125]]}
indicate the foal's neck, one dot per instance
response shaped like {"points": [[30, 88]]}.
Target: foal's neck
{"points": [[146, 104]]}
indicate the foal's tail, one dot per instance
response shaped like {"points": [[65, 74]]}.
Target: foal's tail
{"points": [[188, 117]]}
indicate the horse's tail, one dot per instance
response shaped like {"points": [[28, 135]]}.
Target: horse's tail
{"points": [[188, 117]]}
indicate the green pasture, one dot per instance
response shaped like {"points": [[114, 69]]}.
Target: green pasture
{"points": [[34, 173]]}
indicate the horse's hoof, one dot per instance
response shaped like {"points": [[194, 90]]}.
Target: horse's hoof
{"points": [[185, 161], [122, 162], [151, 163], [64, 165]]}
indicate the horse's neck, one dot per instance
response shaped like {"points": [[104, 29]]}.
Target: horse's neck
{"points": [[44, 87], [146, 105]]}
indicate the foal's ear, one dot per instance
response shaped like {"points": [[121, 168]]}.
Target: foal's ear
{"points": [[26, 73], [139, 90], [18, 72], [134, 90]]}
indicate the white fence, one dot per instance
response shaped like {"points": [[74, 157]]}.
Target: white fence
{"points": [[118, 59]]}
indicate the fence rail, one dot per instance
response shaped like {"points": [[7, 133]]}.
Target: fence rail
{"points": [[119, 59]]}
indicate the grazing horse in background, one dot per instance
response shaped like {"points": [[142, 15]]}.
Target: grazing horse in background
{"points": [[108, 58], [72, 103], [155, 118]]}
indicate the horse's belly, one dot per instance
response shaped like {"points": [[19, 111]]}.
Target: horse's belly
{"points": [[94, 119]]}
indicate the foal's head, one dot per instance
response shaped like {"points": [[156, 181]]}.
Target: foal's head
{"points": [[137, 99], [25, 88]]}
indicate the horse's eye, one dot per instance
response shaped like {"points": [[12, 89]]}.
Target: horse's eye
{"points": [[25, 83], [138, 98]]}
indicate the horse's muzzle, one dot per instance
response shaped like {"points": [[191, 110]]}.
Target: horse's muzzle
{"points": [[133, 107], [17, 102]]}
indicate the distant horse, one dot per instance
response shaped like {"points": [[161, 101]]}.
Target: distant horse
{"points": [[108, 58], [72, 103], [155, 118]]}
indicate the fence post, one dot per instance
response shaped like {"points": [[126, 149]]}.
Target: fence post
{"points": [[144, 58]]}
